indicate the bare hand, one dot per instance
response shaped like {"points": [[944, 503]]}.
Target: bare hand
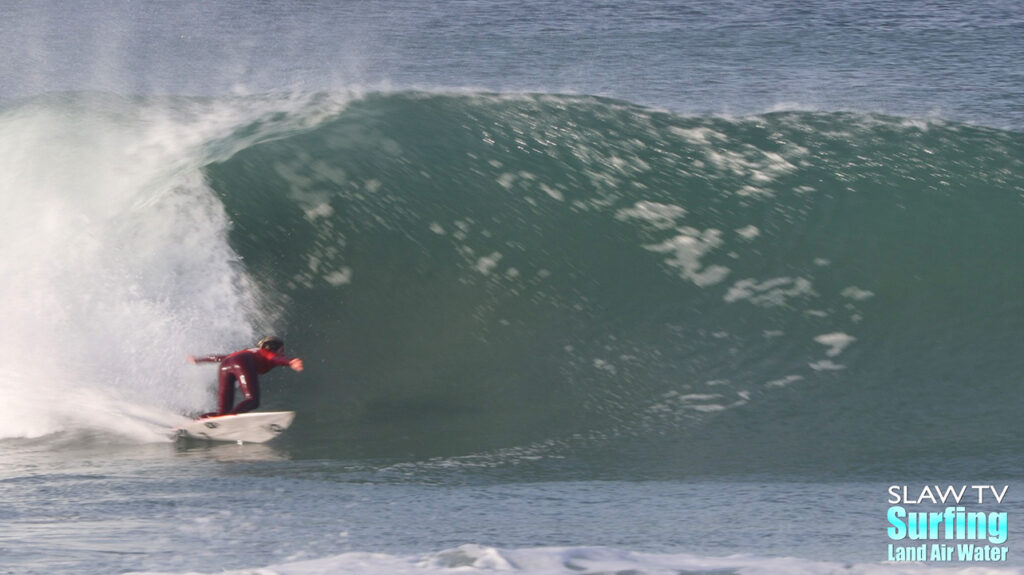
{"points": [[191, 359], [295, 364]]}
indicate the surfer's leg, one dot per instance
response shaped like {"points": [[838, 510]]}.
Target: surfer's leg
{"points": [[225, 391], [249, 383]]}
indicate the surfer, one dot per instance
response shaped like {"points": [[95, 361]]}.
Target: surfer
{"points": [[245, 367]]}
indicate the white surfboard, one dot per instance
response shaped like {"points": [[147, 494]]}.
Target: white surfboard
{"points": [[252, 427]]}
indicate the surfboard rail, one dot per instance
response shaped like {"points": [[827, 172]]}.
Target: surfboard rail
{"points": [[252, 427]]}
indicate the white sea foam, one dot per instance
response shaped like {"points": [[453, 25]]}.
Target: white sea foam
{"points": [[661, 216], [857, 294], [769, 293], [836, 342], [687, 249], [469, 559]]}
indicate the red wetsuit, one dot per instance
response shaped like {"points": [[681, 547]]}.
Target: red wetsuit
{"points": [[244, 367]]}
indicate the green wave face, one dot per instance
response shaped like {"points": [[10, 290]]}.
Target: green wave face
{"points": [[472, 272]]}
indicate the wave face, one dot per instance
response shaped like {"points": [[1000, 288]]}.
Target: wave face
{"points": [[472, 272], [467, 273]]}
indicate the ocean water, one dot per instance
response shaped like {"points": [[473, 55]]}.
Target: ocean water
{"points": [[618, 287]]}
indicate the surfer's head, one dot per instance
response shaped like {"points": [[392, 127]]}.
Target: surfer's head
{"points": [[271, 343]]}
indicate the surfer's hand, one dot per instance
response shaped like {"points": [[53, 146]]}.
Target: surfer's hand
{"points": [[191, 359], [295, 364]]}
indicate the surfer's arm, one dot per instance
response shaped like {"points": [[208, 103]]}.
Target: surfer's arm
{"points": [[206, 359], [283, 360]]}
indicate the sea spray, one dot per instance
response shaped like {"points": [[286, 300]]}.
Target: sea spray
{"points": [[116, 262]]}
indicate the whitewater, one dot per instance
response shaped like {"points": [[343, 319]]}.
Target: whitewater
{"points": [[643, 288]]}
